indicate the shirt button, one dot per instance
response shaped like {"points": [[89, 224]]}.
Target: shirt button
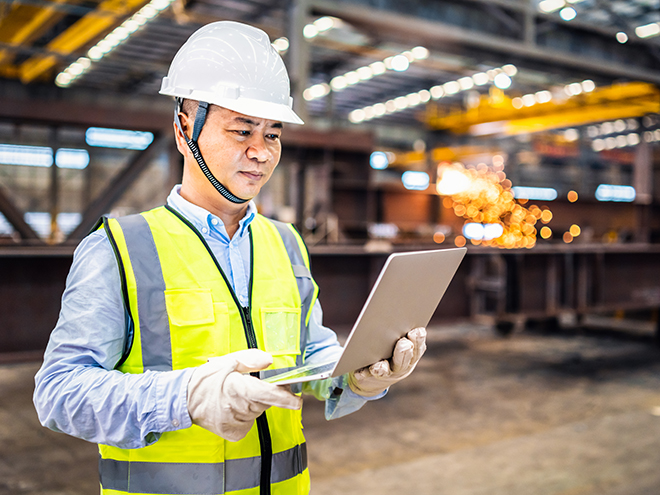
{"points": [[205, 230], [214, 221], [175, 422]]}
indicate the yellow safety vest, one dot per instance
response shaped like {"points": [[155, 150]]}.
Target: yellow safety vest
{"points": [[182, 311]]}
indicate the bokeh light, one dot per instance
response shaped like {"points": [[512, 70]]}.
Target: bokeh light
{"points": [[438, 237], [460, 241], [482, 195], [575, 230], [546, 232], [572, 196], [568, 237]]}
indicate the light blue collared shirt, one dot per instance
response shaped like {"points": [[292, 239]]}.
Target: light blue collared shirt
{"points": [[79, 392]]}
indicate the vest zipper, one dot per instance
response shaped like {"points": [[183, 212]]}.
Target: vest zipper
{"points": [[265, 443]]}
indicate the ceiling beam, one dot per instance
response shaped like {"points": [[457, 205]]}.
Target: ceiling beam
{"points": [[118, 186], [140, 114], [406, 28], [14, 216]]}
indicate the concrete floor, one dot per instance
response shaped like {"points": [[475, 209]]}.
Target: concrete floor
{"points": [[574, 413]]}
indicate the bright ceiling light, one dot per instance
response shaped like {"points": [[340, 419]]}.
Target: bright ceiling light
{"points": [[400, 63], [466, 83], [324, 24], [567, 13], [118, 138], [548, 6], [621, 37], [34, 156], [420, 53], [72, 158], [451, 87], [378, 160], [416, 181], [480, 78], [648, 30], [310, 31], [378, 68], [281, 44], [502, 81], [338, 83], [510, 70], [365, 73], [356, 116]]}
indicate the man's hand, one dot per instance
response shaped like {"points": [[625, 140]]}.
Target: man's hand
{"points": [[226, 402], [374, 379]]}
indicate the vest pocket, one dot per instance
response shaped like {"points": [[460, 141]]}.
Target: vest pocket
{"points": [[199, 327], [189, 306], [281, 330]]}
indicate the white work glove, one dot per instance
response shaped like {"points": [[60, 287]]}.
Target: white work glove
{"points": [[375, 379], [224, 401]]}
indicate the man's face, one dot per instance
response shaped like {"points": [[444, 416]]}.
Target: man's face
{"points": [[241, 151]]}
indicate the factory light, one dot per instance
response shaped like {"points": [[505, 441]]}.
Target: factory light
{"points": [[420, 52], [400, 63], [480, 78], [417, 181], [609, 192], [112, 40], [567, 13], [423, 96], [118, 138], [316, 91], [648, 30], [502, 81], [71, 158], [310, 31], [534, 193], [549, 6], [33, 156], [452, 182], [281, 44], [379, 160], [480, 231], [621, 37]]}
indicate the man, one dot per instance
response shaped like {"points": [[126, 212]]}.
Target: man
{"points": [[170, 317]]}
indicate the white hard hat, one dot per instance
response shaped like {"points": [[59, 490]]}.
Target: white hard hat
{"points": [[234, 66]]}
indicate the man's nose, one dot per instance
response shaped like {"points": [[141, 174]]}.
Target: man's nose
{"points": [[258, 149]]}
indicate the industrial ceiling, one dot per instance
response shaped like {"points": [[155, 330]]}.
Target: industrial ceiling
{"points": [[77, 46]]}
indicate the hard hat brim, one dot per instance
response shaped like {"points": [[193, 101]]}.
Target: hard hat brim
{"points": [[246, 106]]}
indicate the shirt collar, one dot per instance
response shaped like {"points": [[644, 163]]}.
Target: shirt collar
{"points": [[202, 219]]}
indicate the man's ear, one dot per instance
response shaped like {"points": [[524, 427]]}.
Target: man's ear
{"points": [[181, 139]]}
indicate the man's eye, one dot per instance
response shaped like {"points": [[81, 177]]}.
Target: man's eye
{"points": [[242, 133], [273, 137]]}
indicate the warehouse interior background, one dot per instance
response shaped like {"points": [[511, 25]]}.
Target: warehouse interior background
{"points": [[526, 130]]}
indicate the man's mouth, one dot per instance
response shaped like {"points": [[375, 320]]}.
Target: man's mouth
{"points": [[252, 175]]}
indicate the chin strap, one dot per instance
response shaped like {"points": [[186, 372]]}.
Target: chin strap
{"points": [[200, 118]]}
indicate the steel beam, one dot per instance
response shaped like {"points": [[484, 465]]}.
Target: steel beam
{"points": [[103, 203], [64, 111], [15, 217], [407, 28]]}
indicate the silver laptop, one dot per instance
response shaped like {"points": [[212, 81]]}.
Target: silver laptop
{"points": [[405, 296]]}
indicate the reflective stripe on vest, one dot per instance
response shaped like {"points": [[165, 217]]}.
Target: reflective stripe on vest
{"points": [[199, 478], [154, 326]]}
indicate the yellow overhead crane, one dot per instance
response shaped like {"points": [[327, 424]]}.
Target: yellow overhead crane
{"points": [[23, 24], [495, 113]]}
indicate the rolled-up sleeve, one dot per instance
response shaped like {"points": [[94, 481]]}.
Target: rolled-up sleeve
{"points": [[77, 389]]}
